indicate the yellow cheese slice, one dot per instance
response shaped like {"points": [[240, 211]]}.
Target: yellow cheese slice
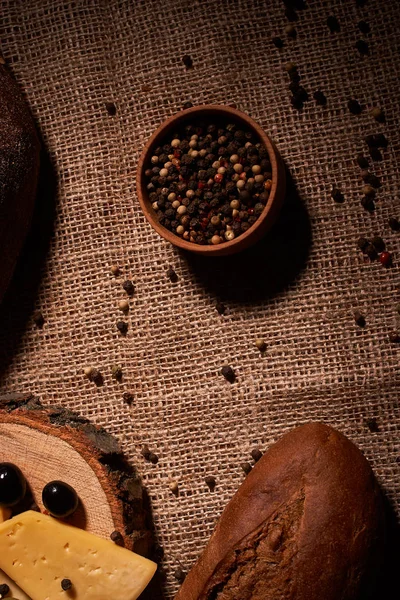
{"points": [[15, 591], [38, 552]]}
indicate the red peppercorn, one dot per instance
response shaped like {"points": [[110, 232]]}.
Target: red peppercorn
{"points": [[200, 185], [250, 211], [204, 223], [385, 258], [218, 178], [177, 153]]}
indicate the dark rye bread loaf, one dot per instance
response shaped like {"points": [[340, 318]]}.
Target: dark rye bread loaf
{"points": [[19, 167], [306, 524]]}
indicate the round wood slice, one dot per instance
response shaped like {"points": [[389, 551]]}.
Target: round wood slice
{"points": [[54, 443]]}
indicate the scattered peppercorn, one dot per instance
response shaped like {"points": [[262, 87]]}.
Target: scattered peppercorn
{"points": [[291, 31], [394, 337], [38, 319], [337, 195], [378, 243], [116, 372], [363, 243], [123, 306], [320, 98], [246, 467], [129, 287], [94, 375], [174, 487], [362, 161], [378, 114], [115, 270], [261, 345], [375, 154], [111, 109], [376, 140], [128, 398], [372, 179], [333, 24], [228, 373], [372, 425], [153, 458], [364, 27], [371, 252], [368, 203], [122, 327], [385, 258], [187, 61], [256, 454], [172, 276], [362, 47], [66, 584], [146, 452], [354, 106], [278, 42], [187, 105], [117, 538], [211, 482], [394, 224], [221, 308], [359, 319], [368, 190], [179, 575], [4, 590]]}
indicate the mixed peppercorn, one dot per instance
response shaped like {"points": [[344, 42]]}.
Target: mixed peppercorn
{"points": [[209, 183]]}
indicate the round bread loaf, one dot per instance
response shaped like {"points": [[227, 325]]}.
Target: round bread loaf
{"points": [[306, 524], [19, 167]]}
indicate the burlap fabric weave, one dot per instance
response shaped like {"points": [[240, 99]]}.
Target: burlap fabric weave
{"points": [[298, 290]]}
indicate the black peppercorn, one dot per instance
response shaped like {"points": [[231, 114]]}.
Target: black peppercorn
{"points": [[372, 425], [394, 337], [66, 584], [4, 590], [127, 398], [187, 61], [320, 98], [359, 319], [291, 14], [363, 243], [211, 482], [116, 372], [362, 47], [375, 154], [278, 42], [333, 24], [111, 109], [376, 140], [246, 467], [337, 195], [179, 575], [368, 203], [122, 327], [153, 458], [362, 161], [364, 27], [371, 179], [129, 287], [228, 373], [354, 107], [394, 224], [371, 252], [172, 276], [117, 538], [378, 243], [256, 454], [187, 105]]}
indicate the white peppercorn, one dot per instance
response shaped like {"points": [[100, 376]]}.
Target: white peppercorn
{"points": [[175, 143]]}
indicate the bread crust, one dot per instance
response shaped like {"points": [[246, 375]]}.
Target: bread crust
{"points": [[19, 168], [307, 523]]}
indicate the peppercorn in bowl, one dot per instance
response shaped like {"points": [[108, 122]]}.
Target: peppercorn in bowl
{"points": [[210, 180]]}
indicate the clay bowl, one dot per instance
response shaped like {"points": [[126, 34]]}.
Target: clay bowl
{"points": [[277, 192]]}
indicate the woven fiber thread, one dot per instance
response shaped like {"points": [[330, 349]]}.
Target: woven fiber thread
{"points": [[71, 58]]}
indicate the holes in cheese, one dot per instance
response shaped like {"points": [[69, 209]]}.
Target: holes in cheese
{"points": [[38, 553]]}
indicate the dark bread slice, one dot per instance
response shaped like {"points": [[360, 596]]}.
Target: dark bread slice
{"points": [[306, 524], [19, 167]]}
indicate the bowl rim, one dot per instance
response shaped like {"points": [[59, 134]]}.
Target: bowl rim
{"points": [[161, 132]]}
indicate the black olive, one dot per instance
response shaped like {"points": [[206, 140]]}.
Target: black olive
{"points": [[60, 499], [12, 485]]}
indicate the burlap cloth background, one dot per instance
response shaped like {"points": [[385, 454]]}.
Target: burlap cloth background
{"points": [[73, 57]]}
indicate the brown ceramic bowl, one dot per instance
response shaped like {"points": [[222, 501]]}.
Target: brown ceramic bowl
{"points": [[277, 192]]}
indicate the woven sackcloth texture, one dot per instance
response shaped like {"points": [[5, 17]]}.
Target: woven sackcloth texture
{"points": [[298, 291]]}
